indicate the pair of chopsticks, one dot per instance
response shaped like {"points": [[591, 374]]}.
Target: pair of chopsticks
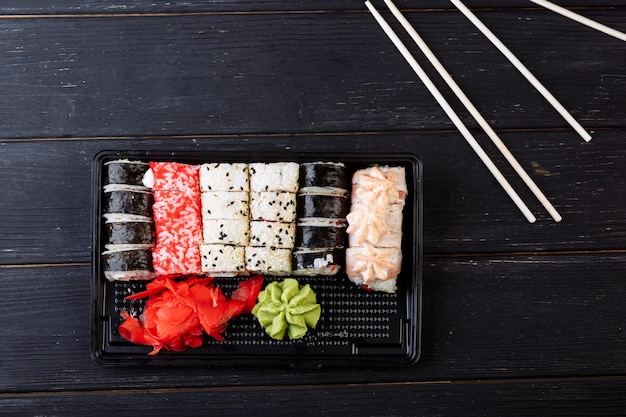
{"points": [[453, 116], [471, 108]]}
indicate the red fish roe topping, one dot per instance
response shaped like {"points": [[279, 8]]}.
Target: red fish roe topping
{"points": [[177, 218]]}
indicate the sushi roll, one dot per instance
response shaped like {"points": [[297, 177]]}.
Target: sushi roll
{"points": [[323, 174], [386, 183], [316, 261], [128, 229], [129, 232], [225, 217], [128, 263], [177, 218], [376, 268], [320, 233], [273, 234], [121, 198], [123, 171], [273, 206], [224, 177], [374, 256], [268, 260], [225, 205], [275, 176], [226, 231], [322, 206], [223, 260], [273, 188], [388, 234]]}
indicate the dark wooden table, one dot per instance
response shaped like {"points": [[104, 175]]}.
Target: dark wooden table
{"points": [[518, 318]]}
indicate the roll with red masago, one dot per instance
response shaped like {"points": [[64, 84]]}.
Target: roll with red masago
{"points": [[177, 218]]}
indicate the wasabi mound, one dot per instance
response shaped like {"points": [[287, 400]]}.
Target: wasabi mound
{"points": [[286, 307]]}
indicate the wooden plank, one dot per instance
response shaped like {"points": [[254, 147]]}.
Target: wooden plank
{"points": [[484, 317], [45, 212], [589, 397], [295, 72], [25, 7]]}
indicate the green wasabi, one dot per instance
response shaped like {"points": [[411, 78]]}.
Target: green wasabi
{"points": [[287, 307]]}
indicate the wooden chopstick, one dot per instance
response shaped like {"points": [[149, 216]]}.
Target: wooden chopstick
{"points": [[581, 19], [451, 114], [473, 111], [522, 69]]}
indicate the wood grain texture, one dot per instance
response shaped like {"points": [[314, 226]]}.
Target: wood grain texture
{"points": [[484, 318], [43, 7], [588, 398], [273, 73], [519, 319]]}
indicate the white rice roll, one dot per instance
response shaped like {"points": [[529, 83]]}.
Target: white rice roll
{"points": [[226, 231], [268, 260], [275, 176], [223, 260], [224, 177], [273, 206], [225, 205], [274, 234]]}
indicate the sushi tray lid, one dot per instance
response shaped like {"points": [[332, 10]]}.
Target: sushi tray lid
{"points": [[357, 327]]}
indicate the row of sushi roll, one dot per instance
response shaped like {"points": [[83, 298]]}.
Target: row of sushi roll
{"points": [[231, 219], [374, 255], [129, 228], [177, 218], [322, 206], [248, 214]]}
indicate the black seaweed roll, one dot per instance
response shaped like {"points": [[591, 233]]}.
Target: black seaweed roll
{"points": [[323, 234], [122, 199], [136, 233], [128, 228], [128, 264], [324, 174], [322, 205], [125, 172], [317, 261]]}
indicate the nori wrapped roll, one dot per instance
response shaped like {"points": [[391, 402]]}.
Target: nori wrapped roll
{"points": [[138, 233], [124, 171], [123, 199], [322, 234], [324, 174], [317, 261], [320, 205], [127, 264]]}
